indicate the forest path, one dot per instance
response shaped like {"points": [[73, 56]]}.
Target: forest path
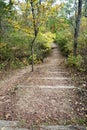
{"points": [[46, 96]]}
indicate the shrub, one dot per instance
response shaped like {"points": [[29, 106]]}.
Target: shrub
{"points": [[76, 62], [64, 39], [43, 51], [30, 59], [43, 45], [15, 51], [82, 49]]}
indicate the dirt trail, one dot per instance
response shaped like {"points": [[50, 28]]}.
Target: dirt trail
{"points": [[46, 96]]}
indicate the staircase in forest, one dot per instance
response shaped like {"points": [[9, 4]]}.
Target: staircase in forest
{"points": [[53, 84]]}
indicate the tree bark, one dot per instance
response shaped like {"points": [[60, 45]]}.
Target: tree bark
{"points": [[77, 25], [40, 2], [32, 53], [0, 29], [86, 8], [35, 33]]}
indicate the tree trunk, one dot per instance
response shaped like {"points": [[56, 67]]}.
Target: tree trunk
{"points": [[35, 32], [77, 25], [32, 53], [40, 2], [0, 29], [86, 8]]}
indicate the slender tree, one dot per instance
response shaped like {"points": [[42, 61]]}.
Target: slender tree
{"points": [[38, 18], [77, 26], [85, 8], [35, 28]]}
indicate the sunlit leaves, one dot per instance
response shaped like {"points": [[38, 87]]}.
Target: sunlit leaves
{"points": [[17, 26]]}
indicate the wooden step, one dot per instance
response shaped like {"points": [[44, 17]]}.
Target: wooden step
{"points": [[10, 125], [57, 127], [47, 87]]}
